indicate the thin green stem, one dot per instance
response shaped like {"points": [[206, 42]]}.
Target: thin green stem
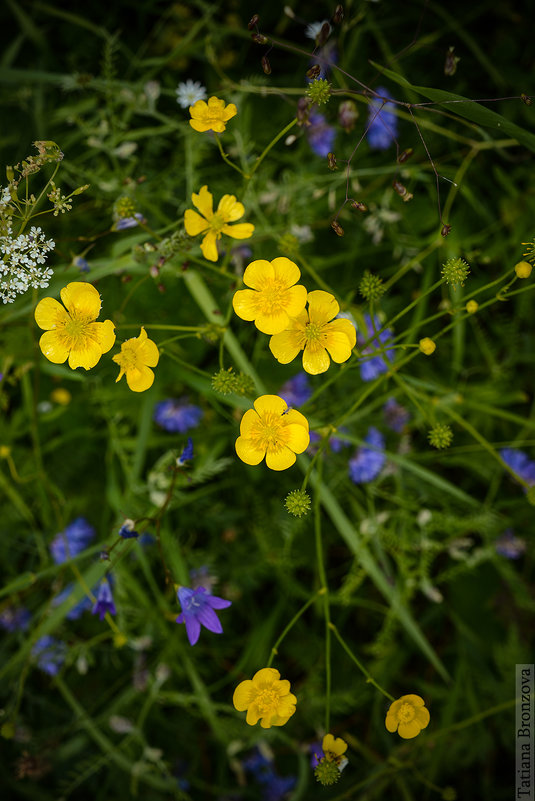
{"points": [[268, 148], [291, 624], [326, 607], [227, 160], [349, 652]]}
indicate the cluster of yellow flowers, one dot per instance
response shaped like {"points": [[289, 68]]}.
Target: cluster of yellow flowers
{"points": [[71, 332]]}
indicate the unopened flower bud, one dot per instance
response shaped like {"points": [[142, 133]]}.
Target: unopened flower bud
{"points": [[455, 271], [323, 35], [303, 110], [427, 346], [526, 99], [402, 191], [472, 306], [331, 161], [523, 269], [266, 66], [259, 38], [337, 228], [338, 14], [347, 115], [440, 436], [253, 22], [297, 503], [405, 155], [313, 72], [358, 205], [81, 189], [445, 230], [450, 65]]}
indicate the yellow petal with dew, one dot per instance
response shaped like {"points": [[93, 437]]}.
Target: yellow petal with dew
{"points": [[54, 347], [209, 247], [273, 404], [322, 306], [194, 223], [258, 273], [280, 458], [244, 693], [50, 314], [230, 209], [286, 345], [315, 359], [203, 201], [248, 451], [81, 300], [245, 304], [297, 438], [239, 231], [286, 271]]}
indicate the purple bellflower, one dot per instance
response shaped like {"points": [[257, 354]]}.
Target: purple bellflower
{"points": [[104, 602], [49, 653], [320, 135], [15, 618], [367, 463], [296, 391], [198, 609], [520, 463], [186, 455], [72, 541]]}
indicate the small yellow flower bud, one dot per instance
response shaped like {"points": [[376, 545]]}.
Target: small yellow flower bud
{"points": [[472, 306], [120, 640], [523, 269], [427, 346], [5, 450], [61, 396]]}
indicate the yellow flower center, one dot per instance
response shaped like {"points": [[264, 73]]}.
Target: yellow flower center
{"points": [[406, 713], [266, 702], [128, 359], [313, 332], [75, 328], [272, 297], [269, 432], [216, 223]]}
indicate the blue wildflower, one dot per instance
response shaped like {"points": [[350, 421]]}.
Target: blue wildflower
{"points": [[374, 367], [201, 577], [129, 222], [316, 753], [296, 391], [367, 463], [396, 417], [335, 443], [520, 463], [198, 608], [146, 539], [382, 123], [510, 546], [49, 653], [186, 455], [84, 605], [320, 135], [72, 541], [15, 618], [177, 415], [82, 264], [127, 530], [104, 602], [275, 787]]}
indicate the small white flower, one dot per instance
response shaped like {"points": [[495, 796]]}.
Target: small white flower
{"points": [[313, 30], [189, 92]]}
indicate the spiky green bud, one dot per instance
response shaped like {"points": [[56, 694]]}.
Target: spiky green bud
{"points": [[455, 272], [288, 244], [371, 286], [440, 436], [319, 91], [327, 772], [227, 381], [297, 503], [125, 207]]}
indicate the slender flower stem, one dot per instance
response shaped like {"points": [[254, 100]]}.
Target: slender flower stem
{"points": [[326, 607], [227, 160], [268, 148], [349, 652], [291, 624]]}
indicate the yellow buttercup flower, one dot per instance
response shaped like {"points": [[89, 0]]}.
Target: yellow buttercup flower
{"points": [[211, 116], [136, 358], [275, 296], [266, 697], [408, 715], [272, 431], [317, 334], [229, 210], [334, 748], [71, 332]]}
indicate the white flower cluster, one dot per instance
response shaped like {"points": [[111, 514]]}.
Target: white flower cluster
{"points": [[20, 258]]}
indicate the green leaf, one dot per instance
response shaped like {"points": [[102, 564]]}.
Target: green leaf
{"points": [[464, 107]]}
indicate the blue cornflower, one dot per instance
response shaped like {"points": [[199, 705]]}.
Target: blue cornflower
{"points": [[366, 463], [396, 417], [186, 455], [49, 653], [374, 367], [521, 464], [198, 608], [177, 415], [72, 541], [104, 602], [296, 391], [15, 618], [127, 530], [129, 222], [510, 546], [320, 135], [382, 124], [84, 605]]}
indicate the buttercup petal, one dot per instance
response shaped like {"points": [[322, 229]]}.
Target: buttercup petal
{"points": [[199, 125], [286, 271], [322, 306], [422, 716], [149, 353], [139, 378], [346, 327], [253, 715], [230, 209], [50, 314], [275, 405], [272, 323], [198, 109], [86, 353], [296, 418], [281, 687], [230, 112], [249, 421], [244, 693], [391, 722], [415, 700], [295, 299], [258, 273], [209, 247], [334, 744], [280, 459], [103, 333], [239, 231], [409, 730], [265, 677], [298, 438], [81, 300], [248, 451], [338, 345], [203, 201], [194, 223], [286, 345], [53, 347], [315, 359], [245, 304]]}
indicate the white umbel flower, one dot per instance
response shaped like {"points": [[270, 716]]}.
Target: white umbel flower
{"points": [[189, 92], [20, 258]]}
